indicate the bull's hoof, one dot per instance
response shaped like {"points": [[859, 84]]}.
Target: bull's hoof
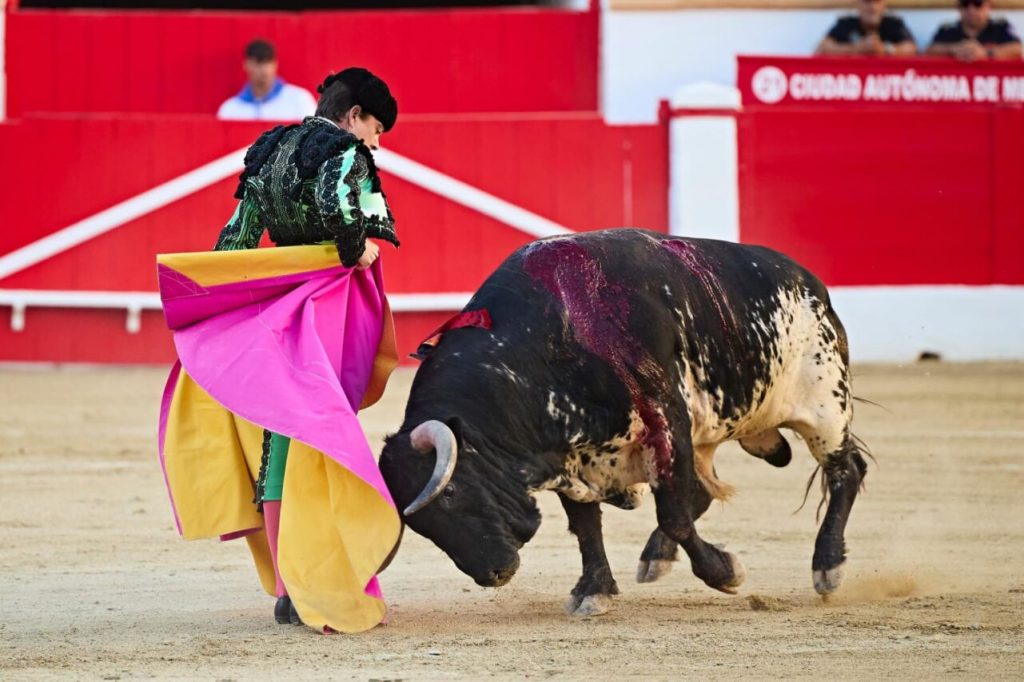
{"points": [[282, 610], [649, 571], [591, 605], [739, 574], [828, 581]]}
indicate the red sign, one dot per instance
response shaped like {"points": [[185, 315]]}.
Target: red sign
{"points": [[860, 81]]}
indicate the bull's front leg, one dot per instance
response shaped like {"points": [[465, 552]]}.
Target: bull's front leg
{"points": [[593, 592], [680, 501]]}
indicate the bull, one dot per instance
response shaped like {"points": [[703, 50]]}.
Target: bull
{"points": [[615, 363]]}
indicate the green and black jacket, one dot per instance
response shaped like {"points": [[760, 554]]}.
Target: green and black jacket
{"points": [[309, 184]]}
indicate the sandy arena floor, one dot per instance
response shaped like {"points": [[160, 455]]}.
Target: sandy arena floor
{"points": [[97, 585]]}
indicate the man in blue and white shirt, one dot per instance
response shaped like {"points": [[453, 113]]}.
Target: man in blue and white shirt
{"points": [[266, 97]]}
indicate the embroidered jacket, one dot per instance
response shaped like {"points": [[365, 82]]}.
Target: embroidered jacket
{"points": [[307, 184]]}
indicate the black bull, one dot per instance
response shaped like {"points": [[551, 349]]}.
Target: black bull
{"points": [[617, 362]]}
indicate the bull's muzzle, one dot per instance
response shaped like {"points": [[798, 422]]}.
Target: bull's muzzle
{"points": [[497, 577]]}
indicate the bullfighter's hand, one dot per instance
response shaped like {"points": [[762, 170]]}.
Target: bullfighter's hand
{"points": [[370, 254]]}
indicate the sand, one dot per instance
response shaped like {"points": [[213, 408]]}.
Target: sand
{"points": [[97, 585]]}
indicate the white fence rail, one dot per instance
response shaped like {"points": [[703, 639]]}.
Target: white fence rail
{"points": [[134, 302]]}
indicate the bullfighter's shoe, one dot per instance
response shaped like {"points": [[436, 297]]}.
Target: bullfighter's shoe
{"points": [[283, 610]]}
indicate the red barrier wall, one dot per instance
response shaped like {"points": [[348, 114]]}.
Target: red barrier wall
{"points": [[189, 62], [909, 196], [569, 168]]}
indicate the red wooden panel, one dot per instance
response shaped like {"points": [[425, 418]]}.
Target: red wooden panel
{"points": [[568, 168], [574, 170], [124, 259], [1008, 207], [445, 247], [145, 59], [871, 197], [62, 335], [72, 76], [106, 90], [69, 169], [218, 63], [34, 82], [645, 150], [189, 62]]}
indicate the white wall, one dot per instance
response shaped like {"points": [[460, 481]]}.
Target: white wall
{"points": [[647, 56], [897, 324], [703, 163]]}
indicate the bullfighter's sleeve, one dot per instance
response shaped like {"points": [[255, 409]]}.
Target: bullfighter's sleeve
{"points": [[243, 231], [350, 208]]}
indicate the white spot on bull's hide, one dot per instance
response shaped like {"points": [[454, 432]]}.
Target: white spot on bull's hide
{"points": [[511, 374], [792, 396], [552, 408], [618, 469]]}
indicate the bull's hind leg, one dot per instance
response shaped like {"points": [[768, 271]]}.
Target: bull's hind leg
{"points": [[844, 468], [593, 592], [657, 558], [824, 422]]}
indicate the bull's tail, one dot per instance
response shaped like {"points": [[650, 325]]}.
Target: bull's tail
{"points": [[704, 465]]}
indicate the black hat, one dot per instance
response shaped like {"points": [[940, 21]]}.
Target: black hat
{"points": [[369, 92]]}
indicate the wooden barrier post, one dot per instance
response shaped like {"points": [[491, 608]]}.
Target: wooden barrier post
{"points": [[703, 172]]}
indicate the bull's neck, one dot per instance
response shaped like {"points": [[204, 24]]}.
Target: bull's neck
{"points": [[514, 418]]}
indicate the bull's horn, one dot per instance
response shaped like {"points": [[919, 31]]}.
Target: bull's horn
{"points": [[434, 435]]}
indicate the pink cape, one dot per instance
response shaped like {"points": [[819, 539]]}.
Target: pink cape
{"points": [[291, 352]]}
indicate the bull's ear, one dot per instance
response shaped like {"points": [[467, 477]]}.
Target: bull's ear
{"points": [[457, 426]]}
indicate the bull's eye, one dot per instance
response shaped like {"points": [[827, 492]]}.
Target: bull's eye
{"points": [[449, 490]]}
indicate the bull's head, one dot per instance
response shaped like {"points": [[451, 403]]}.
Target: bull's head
{"points": [[461, 495]]}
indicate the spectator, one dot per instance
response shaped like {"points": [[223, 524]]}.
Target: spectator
{"points": [[266, 97], [976, 36], [871, 32]]}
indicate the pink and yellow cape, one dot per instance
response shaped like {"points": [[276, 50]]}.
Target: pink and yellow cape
{"points": [[284, 339]]}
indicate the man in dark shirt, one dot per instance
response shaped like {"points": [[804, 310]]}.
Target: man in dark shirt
{"points": [[977, 35], [871, 32]]}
